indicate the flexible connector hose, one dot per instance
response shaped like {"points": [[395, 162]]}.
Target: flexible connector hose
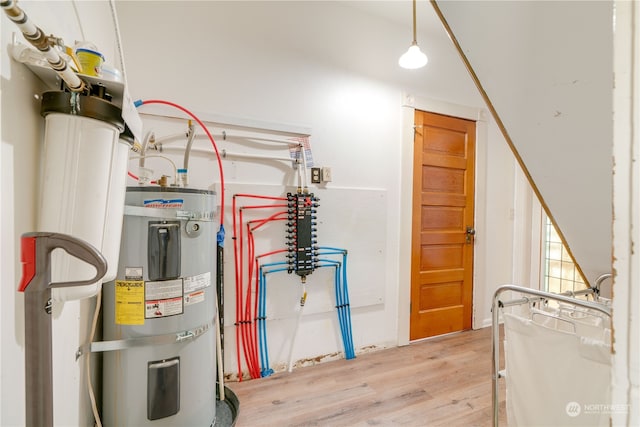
{"points": [[40, 41], [304, 166], [191, 133], [149, 138]]}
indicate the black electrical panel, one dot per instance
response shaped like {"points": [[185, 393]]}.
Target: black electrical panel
{"points": [[302, 238]]}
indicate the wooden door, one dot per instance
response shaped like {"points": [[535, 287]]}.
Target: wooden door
{"points": [[443, 226]]}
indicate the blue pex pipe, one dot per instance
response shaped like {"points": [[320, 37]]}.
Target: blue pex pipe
{"points": [[262, 316], [338, 295], [345, 290], [342, 303], [262, 333], [333, 249]]}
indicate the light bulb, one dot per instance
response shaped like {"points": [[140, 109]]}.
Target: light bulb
{"points": [[413, 58]]}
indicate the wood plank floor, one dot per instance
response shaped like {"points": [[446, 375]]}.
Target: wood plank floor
{"points": [[444, 381]]}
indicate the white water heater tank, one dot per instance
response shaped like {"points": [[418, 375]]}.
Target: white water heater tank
{"points": [[159, 313]]}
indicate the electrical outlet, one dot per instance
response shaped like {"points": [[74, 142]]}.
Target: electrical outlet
{"points": [[316, 177], [326, 174]]}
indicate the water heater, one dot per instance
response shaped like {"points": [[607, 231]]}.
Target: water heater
{"points": [[159, 312]]}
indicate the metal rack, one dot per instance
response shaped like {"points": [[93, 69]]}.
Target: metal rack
{"points": [[530, 296]]}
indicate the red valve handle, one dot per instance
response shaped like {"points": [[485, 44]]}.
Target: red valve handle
{"points": [[35, 256], [28, 259]]}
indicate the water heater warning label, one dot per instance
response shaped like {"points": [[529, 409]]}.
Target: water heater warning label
{"points": [[194, 283], [163, 298], [129, 298], [194, 288], [163, 308]]}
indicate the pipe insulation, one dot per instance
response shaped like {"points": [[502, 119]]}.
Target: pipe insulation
{"points": [[34, 35]]}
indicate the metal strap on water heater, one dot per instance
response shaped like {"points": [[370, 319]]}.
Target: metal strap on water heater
{"points": [[169, 213], [100, 346]]}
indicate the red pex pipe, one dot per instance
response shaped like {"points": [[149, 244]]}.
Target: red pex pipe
{"points": [[238, 292], [263, 206], [244, 329], [247, 308], [278, 251], [262, 222], [137, 178], [251, 301], [213, 142], [253, 330], [249, 346], [243, 319], [258, 196]]}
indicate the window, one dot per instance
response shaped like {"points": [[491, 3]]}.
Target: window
{"points": [[560, 273]]}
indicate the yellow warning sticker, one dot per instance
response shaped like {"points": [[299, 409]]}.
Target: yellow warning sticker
{"points": [[129, 302]]}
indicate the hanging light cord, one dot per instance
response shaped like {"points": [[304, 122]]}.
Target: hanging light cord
{"points": [[415, 38]]}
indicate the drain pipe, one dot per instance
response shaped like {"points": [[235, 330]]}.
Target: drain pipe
{"points": [[40, 41]]}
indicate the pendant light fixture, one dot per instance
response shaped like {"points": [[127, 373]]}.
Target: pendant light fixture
{"points": [[414, 57]]}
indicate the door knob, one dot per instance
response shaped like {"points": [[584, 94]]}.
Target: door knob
{"points": [[470, 232]]}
